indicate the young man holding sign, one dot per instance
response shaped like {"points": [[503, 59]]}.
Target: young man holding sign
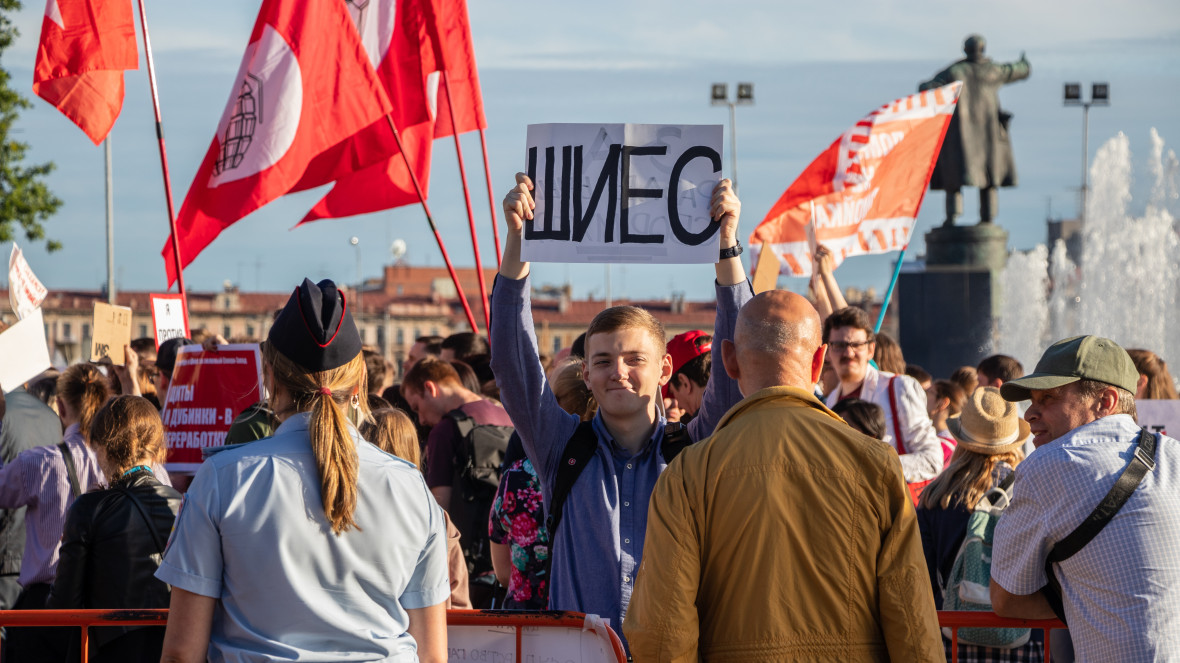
{"points": [[614, 461]]}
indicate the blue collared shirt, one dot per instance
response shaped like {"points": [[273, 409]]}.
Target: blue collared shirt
{"points": [[1120, 590], [252, 533], [599, 545]]}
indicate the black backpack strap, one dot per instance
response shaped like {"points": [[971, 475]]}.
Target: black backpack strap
{"points": [[1141, 463], [675, 440], [71, 471], [577, 452], [465, 424], [129, 493]]}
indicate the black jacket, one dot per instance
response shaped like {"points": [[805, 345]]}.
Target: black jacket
{"points": [[109, 555]]}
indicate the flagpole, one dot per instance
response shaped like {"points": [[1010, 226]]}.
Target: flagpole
{"points": [[430, 220], [151, 67], [483, 289], [487, 171], [889, 291]]}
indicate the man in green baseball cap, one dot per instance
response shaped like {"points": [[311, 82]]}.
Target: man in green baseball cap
{"points": [[1117, 590]]}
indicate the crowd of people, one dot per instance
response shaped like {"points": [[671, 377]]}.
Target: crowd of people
{"points": [[782, 487]]}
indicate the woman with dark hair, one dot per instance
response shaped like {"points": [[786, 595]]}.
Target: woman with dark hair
{"points": [[114, 537], [278, 552], [47, 480]]}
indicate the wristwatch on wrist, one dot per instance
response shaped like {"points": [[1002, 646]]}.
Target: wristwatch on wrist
{"points": [[732, 252]]}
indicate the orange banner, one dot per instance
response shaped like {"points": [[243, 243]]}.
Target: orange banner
{"points": [[863, 193]]}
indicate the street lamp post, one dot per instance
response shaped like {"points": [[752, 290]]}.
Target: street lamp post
{"points": [[1099, 96], [745, 97], [360, 279]]}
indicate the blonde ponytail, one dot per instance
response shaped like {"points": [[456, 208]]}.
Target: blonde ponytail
{"points": [[325, 394]]}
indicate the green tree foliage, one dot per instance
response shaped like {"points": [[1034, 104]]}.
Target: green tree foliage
{"points": [[25, 201]]}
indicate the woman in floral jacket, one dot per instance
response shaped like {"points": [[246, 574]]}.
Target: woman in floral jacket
{"points": [[520, 542]]}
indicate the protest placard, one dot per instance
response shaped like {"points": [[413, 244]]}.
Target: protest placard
{"points": [[112, 331], [25, 291], [208, 389], [23, 351], [622, 193], [1159, 416], [169, 317]]}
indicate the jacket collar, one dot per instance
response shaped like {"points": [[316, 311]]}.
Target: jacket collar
{"points": [[805, 399]]}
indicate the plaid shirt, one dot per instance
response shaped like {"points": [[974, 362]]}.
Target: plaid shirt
{"points": [[1120, 591]]}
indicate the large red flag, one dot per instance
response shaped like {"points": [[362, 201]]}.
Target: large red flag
{"points": [[865, 190], [305, 85], [85, 47], [430, 36]]}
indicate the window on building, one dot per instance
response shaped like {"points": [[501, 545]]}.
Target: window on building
{"points": [[143, 331], [250, 331], [225, 331], [228, 304], [67, 330], [85, 330], [401, 336], [417, 333], [364, 337], [557, 344], [381, 338], [434, 331]]}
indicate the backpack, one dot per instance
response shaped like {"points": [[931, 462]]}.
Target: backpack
{"points": [[477, 460], [967, 586], [578, 452]]}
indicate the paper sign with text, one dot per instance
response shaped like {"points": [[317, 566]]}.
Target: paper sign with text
{"points": [[208, 389], [23, 351], [25, 291], [622, 193], [497, 644], [169, 317], [112, 331], [1159, 416]]}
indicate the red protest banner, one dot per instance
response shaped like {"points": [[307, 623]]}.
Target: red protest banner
{"points": [[208, 389]]}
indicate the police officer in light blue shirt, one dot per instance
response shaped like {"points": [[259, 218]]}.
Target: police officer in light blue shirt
{"points": [[311, 544]]}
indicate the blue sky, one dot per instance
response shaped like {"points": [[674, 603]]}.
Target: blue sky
{"points": [[815, 70]]}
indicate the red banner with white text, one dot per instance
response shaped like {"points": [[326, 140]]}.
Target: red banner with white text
{"points": [[208, 389], [863, 193]]}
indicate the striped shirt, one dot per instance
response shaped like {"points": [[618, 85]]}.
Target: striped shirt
{"points": [[37, 479], [1120, 590]]}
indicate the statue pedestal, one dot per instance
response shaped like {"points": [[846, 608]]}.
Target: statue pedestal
{"points": [[950, 307]]}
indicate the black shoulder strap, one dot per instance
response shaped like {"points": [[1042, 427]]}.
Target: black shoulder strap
{"points": [[675, 440], [130, 493], [577, 452], [72, 471], [1141, 463]]}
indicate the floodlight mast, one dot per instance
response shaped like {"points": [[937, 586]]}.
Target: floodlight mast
{"points": [[1099, 96], [744, 97]]}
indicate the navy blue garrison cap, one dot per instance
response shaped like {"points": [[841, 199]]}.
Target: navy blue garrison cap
{"points": [[315, 329]]}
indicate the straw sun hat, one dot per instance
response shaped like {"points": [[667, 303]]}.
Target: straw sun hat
{"points": [[989, 424]]}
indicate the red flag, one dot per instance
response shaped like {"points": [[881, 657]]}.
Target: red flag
{"points": [[427, 37], [85, 47], [865, 190], [449, 31], [305, 85]]}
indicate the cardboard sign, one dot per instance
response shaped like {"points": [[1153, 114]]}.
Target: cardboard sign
{"points": [[23, 352], [623, 193], [169, 317], [1159, 416], [208, 389], [25, 291], [112, 331]]}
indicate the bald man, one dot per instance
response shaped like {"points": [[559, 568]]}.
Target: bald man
{"points": [[787, 534]]}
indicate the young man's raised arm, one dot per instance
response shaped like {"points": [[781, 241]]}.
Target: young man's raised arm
{"points": [[543, 426], [733, 291]]}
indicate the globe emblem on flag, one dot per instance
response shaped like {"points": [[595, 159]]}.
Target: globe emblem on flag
{"points": [[242, 124], [261, 119]]}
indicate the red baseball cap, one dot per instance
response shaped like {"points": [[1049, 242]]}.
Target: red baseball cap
{"points": [[686, 347]]}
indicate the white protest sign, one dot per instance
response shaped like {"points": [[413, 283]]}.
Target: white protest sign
{"points": [[23, 352], [1159, 416], [623, 193], [169, 317], [25, 291]]}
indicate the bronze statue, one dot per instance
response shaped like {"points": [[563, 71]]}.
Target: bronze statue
{"points": [[976, 151]]}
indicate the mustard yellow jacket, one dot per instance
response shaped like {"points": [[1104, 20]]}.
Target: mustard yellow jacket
{"points": [[785, 536]]}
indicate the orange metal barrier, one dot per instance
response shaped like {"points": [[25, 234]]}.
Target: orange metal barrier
{"points": [[517, 619], [956, 619]]}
